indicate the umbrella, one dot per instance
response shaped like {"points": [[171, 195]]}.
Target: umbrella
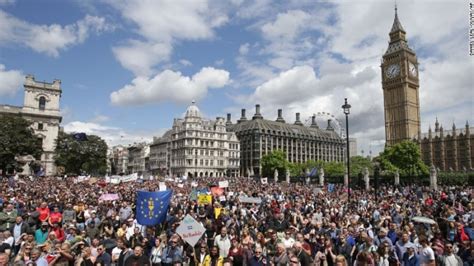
{"points": [[109, 197], [422, 219]]}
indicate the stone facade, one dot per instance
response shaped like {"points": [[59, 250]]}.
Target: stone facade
{"points": [[448, 150], [400, 86], [259, 137], [119, 160], [41, 107], [138, 156], [160, 155], [198, 147]]}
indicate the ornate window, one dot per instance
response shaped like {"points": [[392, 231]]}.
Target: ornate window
{"points": [[42, 103]]}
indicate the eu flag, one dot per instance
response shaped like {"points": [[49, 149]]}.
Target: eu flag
{"points": [[152, 206]]}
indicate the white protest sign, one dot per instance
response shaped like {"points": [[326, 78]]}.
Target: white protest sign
{"points": [[245, 199], [194, 184], [230, 193], [162, 186], [222, 198], [129, 178], [224, 184], [190, 230]]}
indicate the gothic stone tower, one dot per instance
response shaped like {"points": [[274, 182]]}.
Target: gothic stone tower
{"points": [[400, 85]]}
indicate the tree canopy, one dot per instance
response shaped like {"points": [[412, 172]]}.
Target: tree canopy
{"points": [[17, 138], [274, 160], [358, 163], [404, 157], [81, 155]]}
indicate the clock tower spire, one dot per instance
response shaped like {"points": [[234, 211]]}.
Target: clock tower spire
{"points": [[400, 86]]}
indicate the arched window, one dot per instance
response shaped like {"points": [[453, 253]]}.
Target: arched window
{"points": [[42, 103]]}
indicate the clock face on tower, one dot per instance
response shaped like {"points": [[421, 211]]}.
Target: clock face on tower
{"points": [[392, 70], [412, 69]]}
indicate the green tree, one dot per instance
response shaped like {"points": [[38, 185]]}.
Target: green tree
{"points": [[334, 169], [404, 156], [17, 138], [81, 156], [274, 160], [358, 163]]}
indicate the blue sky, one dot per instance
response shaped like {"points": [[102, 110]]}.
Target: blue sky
{"points": [[129, 67]]}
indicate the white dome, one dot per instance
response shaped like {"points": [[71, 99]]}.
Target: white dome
{"points": [[193, 111]]}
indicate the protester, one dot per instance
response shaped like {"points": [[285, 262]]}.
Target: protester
{"points": [[59, 222]]}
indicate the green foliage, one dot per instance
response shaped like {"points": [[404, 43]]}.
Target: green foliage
{"points": [[456, 179], [274, 160], [404, 156], [334, 169], [16, 139], [87, 156], [358, 163]]}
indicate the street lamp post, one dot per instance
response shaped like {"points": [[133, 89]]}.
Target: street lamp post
{"points": [[346, 108]]}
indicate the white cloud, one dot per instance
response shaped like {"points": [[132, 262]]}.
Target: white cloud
{"points": [[286, 26], [140, 57], [170, 85], [10, 81], [244, 49], [185, 62], [112, 135], [48, 39], [160, 24]]}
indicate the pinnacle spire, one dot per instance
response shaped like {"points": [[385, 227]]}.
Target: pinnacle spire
{"points": [[397, 26]]}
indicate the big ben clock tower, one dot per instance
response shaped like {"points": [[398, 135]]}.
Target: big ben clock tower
{"points": [[400, 85]]}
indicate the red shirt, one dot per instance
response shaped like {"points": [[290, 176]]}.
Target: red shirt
{"points": [[56, 217], [43, 213]]}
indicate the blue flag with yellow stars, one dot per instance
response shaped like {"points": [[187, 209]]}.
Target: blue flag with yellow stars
{"points": [[152, 206]]}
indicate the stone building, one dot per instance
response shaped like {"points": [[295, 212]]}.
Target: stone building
{"points": [[119, 159], [198, 147], [41, 107], [400, 86], [448, 150], [259, 137], [160, 154], [138, 159]]}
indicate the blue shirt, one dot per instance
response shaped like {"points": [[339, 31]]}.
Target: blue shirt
{"points": [[40, 236]]}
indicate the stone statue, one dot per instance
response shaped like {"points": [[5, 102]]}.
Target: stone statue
{"points": [[321, 177], [275, 175], [433, 178], [397, 178], [366, 178], [346, 179], [288, 176], [248, 172]]}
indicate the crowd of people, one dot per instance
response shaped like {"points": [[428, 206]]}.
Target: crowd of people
{"points": [[57, 221]]}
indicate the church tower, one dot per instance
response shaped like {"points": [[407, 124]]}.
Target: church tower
{"points": [[400, 86]]}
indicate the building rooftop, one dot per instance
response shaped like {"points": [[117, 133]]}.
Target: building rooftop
{"points": [[284, 129]]}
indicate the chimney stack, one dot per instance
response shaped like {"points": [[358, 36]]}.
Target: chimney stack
{"points": [[242, 116], [280, 116], [257, 113], [330, 128], [313, 122], [298, 122], [229, 120]]}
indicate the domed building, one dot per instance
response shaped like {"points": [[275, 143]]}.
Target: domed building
{"points": [[201, 147]]}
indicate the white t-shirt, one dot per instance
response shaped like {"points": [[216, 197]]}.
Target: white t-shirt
{"points": [[116, 252], [426, 255], [451, 260], [288, 242]]}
